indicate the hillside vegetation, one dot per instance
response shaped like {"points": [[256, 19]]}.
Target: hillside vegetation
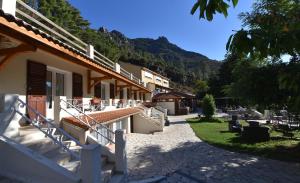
{"points": [[181, 66]]}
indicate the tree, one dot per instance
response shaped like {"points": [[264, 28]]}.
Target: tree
{"points": [[208, 106], [207, 8], [201, 87], [272, 28]]}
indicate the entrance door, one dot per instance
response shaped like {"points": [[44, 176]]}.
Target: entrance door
{"points": [[97, 90], [36, 88]]}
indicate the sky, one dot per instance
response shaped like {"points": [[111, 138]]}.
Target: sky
{"points": [[169, 18]]}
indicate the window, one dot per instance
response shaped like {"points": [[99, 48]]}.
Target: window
{"points": [[60, 84], [158, 79], [148, 75]]}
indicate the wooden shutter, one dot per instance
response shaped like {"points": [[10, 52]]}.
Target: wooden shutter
{"points": [[97, 90], [36, 78], [77, 86], [112, 91], [36, 88]]}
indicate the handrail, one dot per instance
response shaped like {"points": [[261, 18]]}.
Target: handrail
{"points": [[49, 123], [87, 123], [50, 22]]}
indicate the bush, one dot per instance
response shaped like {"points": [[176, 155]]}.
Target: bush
{"points": [[208, 106]]}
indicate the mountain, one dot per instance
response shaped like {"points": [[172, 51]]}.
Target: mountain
{"points": [[181, 66], [166, 58]]}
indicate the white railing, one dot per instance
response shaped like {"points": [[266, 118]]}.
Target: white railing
{"points": [[97, 128], [125, 73], [135, 79], [24, 11], [47, 127], [36, 19]]}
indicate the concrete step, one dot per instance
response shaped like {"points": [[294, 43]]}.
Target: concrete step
{"points": [[107, 172]]}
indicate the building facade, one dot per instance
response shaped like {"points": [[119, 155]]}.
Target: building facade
{"points": [[155, 82]]}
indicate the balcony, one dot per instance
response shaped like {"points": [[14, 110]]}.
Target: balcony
{"points": [[46, 26]]}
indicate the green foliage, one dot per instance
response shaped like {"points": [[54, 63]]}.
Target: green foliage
{"points": [[201, 88], [272, 28], [208, 106], [207, 8]]}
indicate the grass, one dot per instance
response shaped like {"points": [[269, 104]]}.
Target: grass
{"points": [[215, 132]]}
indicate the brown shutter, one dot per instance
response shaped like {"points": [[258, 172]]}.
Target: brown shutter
{"points": [[97, 90], [77, 86], [36, 78], [112, 91]]}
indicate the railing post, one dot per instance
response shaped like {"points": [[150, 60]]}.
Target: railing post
{"points": [[121, 157], [90, 51], [90, 169], [8, 6], [139, 81], [131, 76], [117, 68]]}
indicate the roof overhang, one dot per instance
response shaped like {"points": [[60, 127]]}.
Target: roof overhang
{"points": [[17, 29]]}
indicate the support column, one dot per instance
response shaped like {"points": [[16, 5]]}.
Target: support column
{"points": [[8, 6], [117, 68], [121, 158], [90, 51], [90, 169]]}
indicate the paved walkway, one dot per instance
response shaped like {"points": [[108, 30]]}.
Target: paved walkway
{"points": [[182, 157]]}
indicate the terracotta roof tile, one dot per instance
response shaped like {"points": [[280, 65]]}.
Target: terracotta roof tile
{"points": [[104, 117]]}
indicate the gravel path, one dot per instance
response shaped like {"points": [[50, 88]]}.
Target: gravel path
{"points": [[182, 157]]}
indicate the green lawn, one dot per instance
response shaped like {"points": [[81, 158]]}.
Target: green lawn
{"points": [[279, 147]]}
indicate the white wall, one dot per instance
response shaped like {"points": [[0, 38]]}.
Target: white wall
{"points": [[19, 162], [168, 105], [145, 125]]}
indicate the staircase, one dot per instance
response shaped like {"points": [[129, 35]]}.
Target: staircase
{"points": [[44, 139], [108, 165]]}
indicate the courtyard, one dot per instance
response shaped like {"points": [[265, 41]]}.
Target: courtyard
{"points": [[180, 156]]}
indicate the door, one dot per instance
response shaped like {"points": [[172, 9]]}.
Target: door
{"points": [[97, 90], [112, 91], [77, 89], [36, 88], [121, 93]]}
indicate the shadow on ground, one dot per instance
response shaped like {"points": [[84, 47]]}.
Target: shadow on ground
{"points": [[204, 163]]}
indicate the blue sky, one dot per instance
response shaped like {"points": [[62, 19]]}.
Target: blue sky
{"points": [[169, 18]]}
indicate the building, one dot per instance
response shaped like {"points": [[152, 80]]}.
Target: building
{"points": [[176, 103], [64, 107], [155, 82]]}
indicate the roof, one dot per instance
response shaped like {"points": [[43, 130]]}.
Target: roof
{"points": [[160, 96], [173, 95], [105, 117], [18, 29]]}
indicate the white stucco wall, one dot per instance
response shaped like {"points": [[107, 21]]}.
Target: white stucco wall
{"points": [[168, 105], [144, 125], [31, 167]]}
